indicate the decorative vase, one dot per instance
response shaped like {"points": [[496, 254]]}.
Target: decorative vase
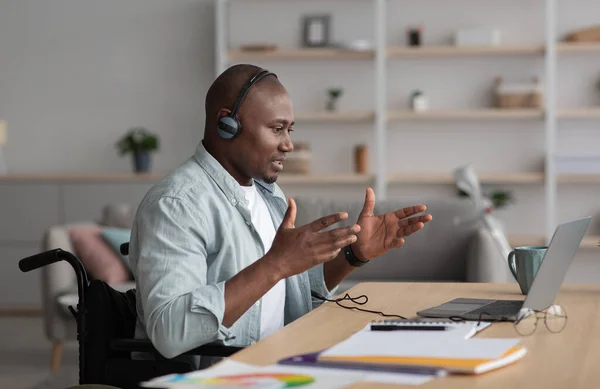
{"points": [[142, 162], [419, 102], [332, 105]]}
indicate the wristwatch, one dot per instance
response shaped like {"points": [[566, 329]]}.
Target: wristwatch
{"points": [[351, 258]]}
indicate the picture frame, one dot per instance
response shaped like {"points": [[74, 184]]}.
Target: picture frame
{"points": [[316, 30]]}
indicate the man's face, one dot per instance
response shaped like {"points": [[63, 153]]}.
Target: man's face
{"points": [[267, 117]]}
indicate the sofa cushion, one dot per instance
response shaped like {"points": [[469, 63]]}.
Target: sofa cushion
{"points": [[97, 257], [118, 215], [115, 237]]}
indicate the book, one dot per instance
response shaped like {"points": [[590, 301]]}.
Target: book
{"points": [[312, 360], [451, 365], [452, 350]]}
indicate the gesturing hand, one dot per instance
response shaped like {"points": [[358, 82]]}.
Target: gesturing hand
{"points": [[381, 233], [295, 250]]}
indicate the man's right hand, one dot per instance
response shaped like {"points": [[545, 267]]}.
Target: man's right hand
{"points": [[295, 250]]}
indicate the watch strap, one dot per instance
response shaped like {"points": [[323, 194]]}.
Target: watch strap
{"points": [[351, 258]]}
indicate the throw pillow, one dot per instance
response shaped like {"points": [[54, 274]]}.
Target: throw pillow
{"points": [[118, 215], [97, 257], [115, 237]]}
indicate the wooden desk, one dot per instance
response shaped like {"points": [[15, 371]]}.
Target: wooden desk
{"points": [[570, 359]]}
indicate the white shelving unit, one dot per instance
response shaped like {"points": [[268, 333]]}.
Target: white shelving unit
{"points": [[381, 116]]}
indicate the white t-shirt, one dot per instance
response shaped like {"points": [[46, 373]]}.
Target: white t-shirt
{"points": [[273, 302]]}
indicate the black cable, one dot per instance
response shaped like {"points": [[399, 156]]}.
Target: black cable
{"points": [[355, 301]]}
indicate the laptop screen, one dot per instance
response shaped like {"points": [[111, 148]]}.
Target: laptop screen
{"points": [[551, 274]]}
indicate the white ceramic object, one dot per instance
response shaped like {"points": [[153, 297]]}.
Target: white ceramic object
{"points": [[420, 103], [477, 37]]}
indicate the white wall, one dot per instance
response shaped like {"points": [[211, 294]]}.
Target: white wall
{"points": [[75, 75]]}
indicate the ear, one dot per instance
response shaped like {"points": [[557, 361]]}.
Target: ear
{"points": [[222, 113]]}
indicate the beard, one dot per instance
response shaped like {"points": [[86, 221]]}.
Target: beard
{"points": [[270, 179]]}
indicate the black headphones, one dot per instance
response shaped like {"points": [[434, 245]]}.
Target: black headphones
{"points": [[229, 126]]}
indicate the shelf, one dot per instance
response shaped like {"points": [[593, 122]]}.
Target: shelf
{"points": [[573, 48], [472, 114], [489, 178], [578, 178], [588, 241], [301, 54], [413, 52], [526, 240], [579, 113], [454, 51], [81, 177], [350, 116], [404, 178], [323, 179]]}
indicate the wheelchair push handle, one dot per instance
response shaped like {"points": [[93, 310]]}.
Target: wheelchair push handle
{"points": [[39, 260], [124, 248]]}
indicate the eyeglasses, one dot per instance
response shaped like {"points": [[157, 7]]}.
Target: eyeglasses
{"points": [[555, 319]]}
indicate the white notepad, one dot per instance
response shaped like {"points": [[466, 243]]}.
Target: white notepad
{"points": [[474, 327], [421, 344]]}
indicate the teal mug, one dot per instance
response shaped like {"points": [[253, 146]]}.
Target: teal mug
{"points": [[524, 263]]}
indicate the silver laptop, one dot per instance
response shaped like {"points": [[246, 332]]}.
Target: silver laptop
{"points": [[546, 284]]}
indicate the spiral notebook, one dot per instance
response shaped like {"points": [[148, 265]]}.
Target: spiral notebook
{"points": [[474, 326]]}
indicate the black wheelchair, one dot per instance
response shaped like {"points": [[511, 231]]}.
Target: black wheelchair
{"points": [[106, 320]]}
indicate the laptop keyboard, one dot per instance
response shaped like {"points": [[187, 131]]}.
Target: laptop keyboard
{"points": [[500, 308]]}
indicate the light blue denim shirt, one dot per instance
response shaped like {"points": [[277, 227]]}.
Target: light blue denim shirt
{"points": [[193, 232]]}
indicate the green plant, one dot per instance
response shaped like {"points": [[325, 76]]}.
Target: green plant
{"points": [[499, 198], [136, 140], [334, 93]]}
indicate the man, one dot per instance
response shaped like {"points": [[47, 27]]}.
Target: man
{"points": [[214, 249]]}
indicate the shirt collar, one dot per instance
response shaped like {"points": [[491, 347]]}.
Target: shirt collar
{"points": [[225, 181]]}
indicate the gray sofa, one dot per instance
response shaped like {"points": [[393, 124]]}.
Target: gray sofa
{"points": [[442, 252]]}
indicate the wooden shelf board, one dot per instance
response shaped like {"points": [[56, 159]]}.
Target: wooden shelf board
{"points": [[579, 113], [526, 240], [472, 114], [573, 178], [455, 51], [316, 53], [18, 311], [407, 178], [489, 178], [350, 116], [588, 241], [323, 179], [81, 177], [573, 47]]}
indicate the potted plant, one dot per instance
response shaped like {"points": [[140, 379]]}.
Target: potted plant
{"points": [[140, 142], [334, 95], [499, 198]]}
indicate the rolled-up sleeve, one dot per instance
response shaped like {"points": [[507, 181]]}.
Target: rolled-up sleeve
{"points": [[317, 284], [181, 311]]}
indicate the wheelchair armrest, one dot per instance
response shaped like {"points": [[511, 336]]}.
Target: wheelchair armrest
{"points": [[144, 345]]}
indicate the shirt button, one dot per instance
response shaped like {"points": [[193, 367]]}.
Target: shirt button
{"points": [[233, 201], [257, 304], [248, 223]]}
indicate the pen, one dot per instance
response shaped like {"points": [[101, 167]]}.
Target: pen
{"points": [[379, 327]]}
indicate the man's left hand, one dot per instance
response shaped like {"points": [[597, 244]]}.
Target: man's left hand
{"points": [[381, 233]]}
